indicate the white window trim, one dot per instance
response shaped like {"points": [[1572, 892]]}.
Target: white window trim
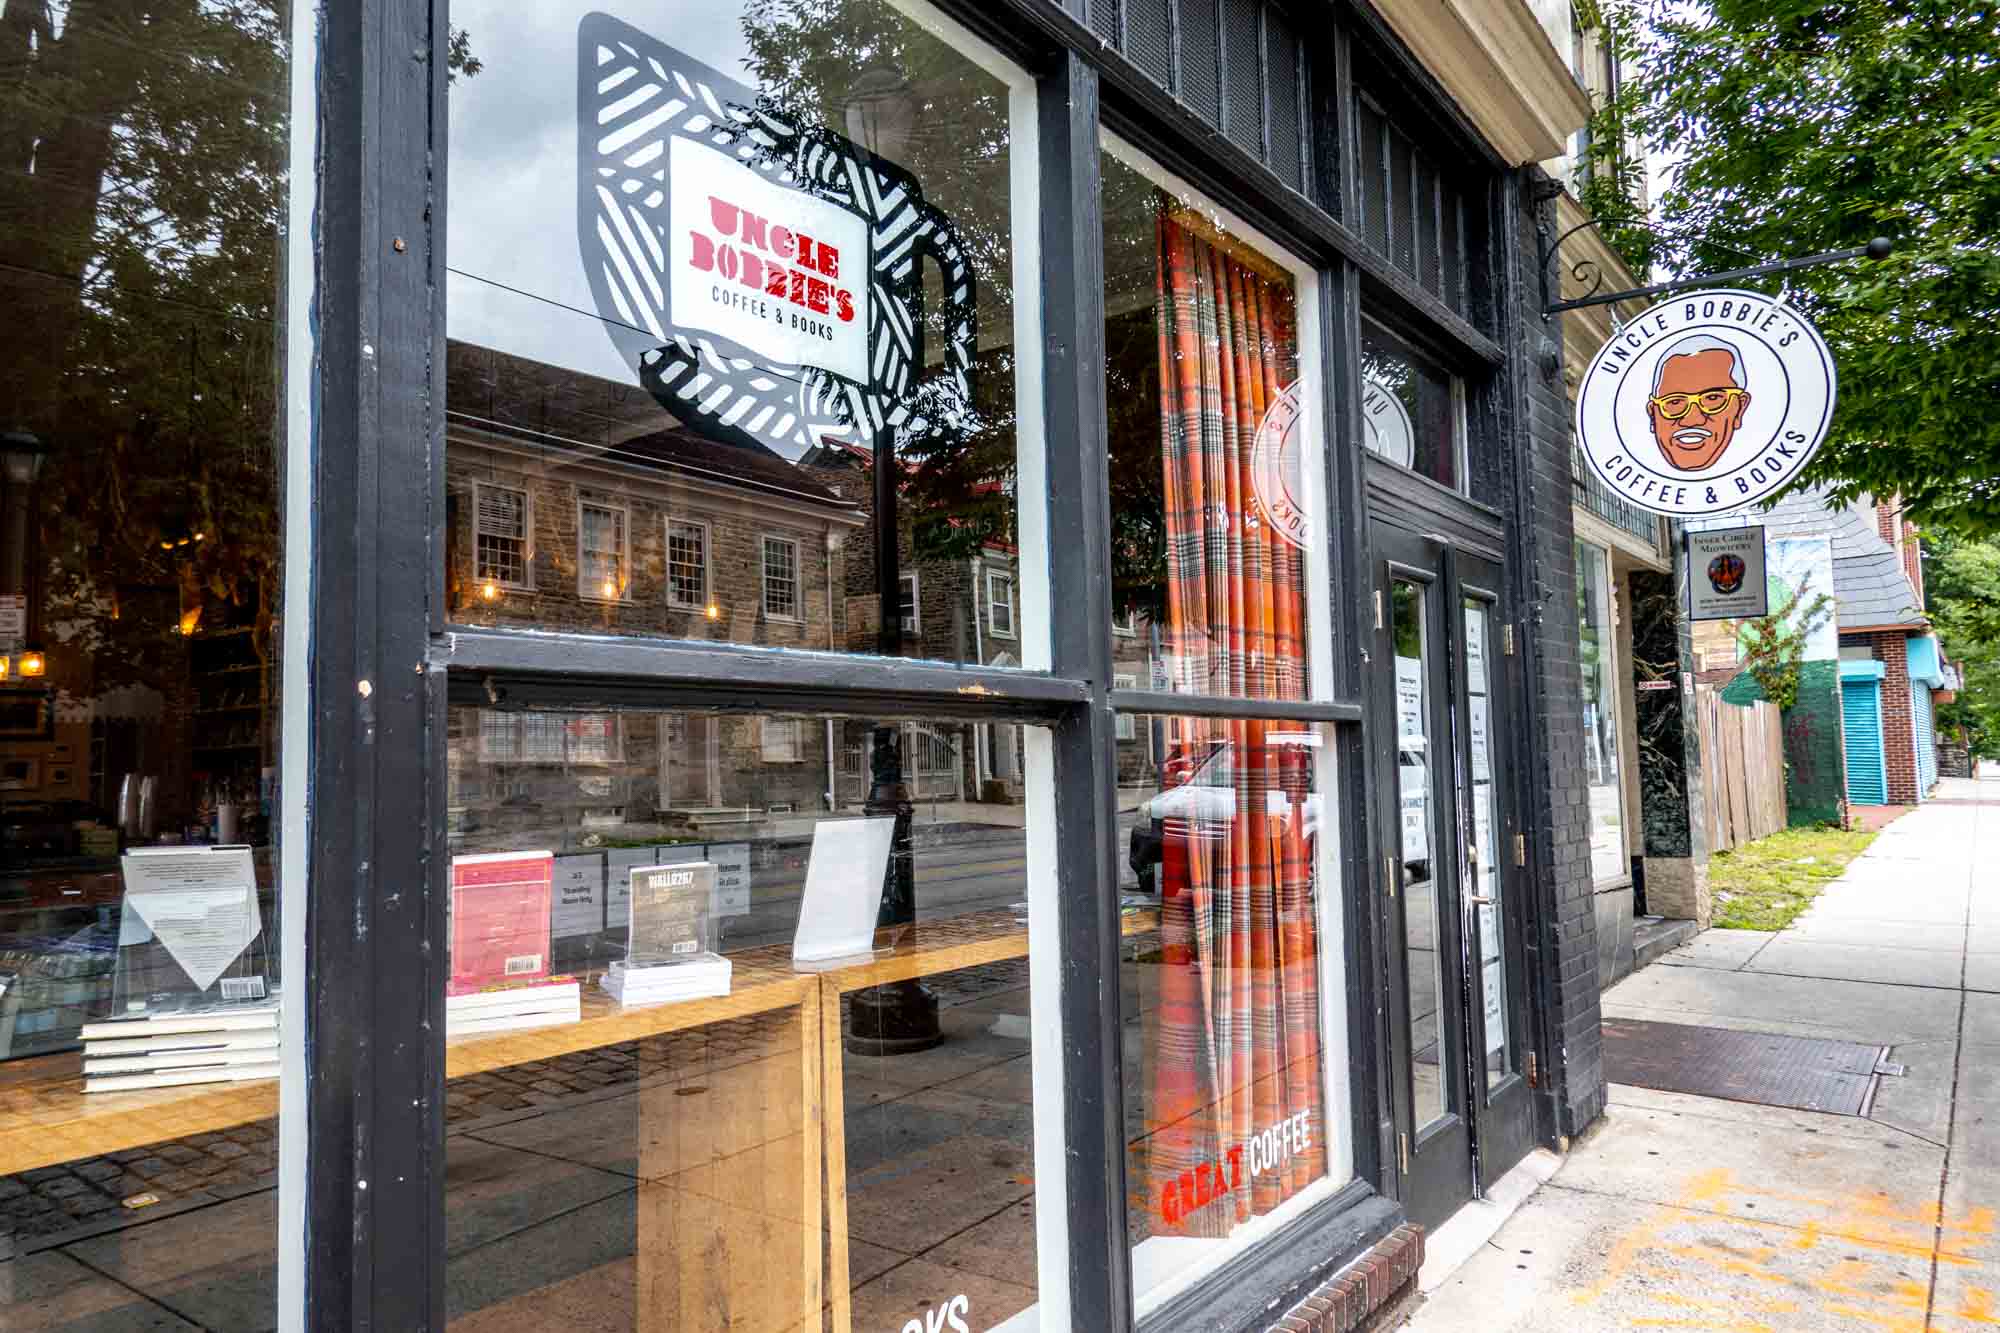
{"points": [[1126, 725], [624, 552], [667, 525], [796, 617], [1012, 603], [916, 625], [1127, 627], [526, 583]]}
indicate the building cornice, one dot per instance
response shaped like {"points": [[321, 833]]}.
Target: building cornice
{"points": [[1498, 64]]}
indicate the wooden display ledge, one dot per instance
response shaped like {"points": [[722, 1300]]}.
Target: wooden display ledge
{"points": [[46, 1118]]}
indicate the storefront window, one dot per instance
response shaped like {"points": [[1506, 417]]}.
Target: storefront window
{"points": [[1225, 1004], [737, 1000], [144, 196], [1412, 411], [1597, 664], [1215, 466], [709, 263]]}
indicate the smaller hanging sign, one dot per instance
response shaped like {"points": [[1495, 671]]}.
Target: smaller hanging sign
{"points": [[1726, 574], [1707, 403]]}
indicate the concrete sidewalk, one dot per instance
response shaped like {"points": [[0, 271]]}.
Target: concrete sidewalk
{"points": [[1695, 1213]]}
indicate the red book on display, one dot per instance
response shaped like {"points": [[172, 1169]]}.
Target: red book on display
{"points": [[500, 919]]}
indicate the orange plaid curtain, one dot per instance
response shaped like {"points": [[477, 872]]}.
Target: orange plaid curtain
{"points": [[1235, 1122]]}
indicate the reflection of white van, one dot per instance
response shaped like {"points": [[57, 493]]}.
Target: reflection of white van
{"points": [[1208, 798]]}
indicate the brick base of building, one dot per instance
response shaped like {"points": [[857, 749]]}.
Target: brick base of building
{"points": [[1375, 1291]]}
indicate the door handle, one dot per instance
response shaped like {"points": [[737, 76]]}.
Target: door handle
{"points": [[1479, 898]]}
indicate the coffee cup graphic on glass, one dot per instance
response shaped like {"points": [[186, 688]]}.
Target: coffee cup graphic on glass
{"points": [[762, 275]]}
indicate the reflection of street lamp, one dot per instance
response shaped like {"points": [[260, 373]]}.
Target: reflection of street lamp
{"points": [[901, 1016], [21, 459]]}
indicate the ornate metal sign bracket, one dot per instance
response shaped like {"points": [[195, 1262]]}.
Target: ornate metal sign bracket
{"points": [[1879, 248]]}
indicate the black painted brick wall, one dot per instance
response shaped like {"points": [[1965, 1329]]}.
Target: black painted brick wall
{"points": [[1556, 803]]}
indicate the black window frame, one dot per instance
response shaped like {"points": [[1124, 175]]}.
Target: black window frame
{"points": [[387, 660]]}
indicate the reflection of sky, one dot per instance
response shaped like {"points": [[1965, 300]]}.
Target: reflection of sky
{"points": [[512, 213]]}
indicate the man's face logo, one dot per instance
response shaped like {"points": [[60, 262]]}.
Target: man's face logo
{"points": [[1698, 404]]}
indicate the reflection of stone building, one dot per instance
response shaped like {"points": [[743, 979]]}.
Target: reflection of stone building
{"points": [[577, 504]]}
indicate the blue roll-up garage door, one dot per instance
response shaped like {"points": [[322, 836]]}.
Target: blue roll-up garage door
{"points": [[1926, 720], [1861, 725]]}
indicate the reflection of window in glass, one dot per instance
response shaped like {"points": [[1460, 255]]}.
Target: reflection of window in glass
{"points": [[600, 563], [1125, 623], [500, 538], [781, 740], [690, 761], [1596, 654], [781, 578], [1000, 603], [549, 738], [1204, 356], [1412, 410], [1126, 730], [687, 564], [906, 606]]}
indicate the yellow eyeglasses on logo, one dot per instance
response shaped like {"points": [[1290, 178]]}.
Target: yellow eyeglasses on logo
{"points": [[1674, 406]]}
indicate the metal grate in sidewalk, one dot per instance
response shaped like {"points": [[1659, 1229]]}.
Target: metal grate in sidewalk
{"points": [[1764, 1068]]}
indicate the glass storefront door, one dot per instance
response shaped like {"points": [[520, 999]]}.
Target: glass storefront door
{"points": [[1456, 987]]}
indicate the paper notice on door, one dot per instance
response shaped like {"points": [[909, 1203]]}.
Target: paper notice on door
{"points": [[1475, 650], [199, 903], [843, 893], [1494, 983], [1482, 825], [1409, 699], [1482, 765]]}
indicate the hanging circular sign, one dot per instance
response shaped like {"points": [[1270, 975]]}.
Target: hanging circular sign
{"points": [[1385, 424], [1708, 402], [1277, 471]]}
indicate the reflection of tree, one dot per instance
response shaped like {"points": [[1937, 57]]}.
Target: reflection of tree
{"points": [[809, 58], [142, 205], [141, 201]]}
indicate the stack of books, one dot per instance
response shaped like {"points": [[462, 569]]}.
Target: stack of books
{"points": [[225, 1044], [517, 1004], [692, 979]]}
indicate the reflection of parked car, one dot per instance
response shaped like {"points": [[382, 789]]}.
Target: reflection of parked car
{"points": [[1202, 789]]}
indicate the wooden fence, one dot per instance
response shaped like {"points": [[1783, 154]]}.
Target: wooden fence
{"points": [[1743, 769]]}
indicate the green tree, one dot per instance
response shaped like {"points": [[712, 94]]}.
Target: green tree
{"points": [[1962, 587], [1803, 126]]}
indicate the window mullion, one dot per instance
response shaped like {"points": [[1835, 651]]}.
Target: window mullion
{"points": [[1084, 746]]}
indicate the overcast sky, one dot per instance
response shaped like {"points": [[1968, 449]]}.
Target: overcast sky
{"points": [[512, 207]]}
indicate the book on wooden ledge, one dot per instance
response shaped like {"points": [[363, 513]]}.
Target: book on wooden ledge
{"points": [[168, 1078], [696, 978], [516, 1004], [228, 1043]]}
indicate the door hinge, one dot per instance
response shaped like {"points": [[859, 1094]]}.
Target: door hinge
{"points": [[1534, 1071], [1520, 849], [1507, 639], [1389, 875], [1403, 1151], [1378, 608]]}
